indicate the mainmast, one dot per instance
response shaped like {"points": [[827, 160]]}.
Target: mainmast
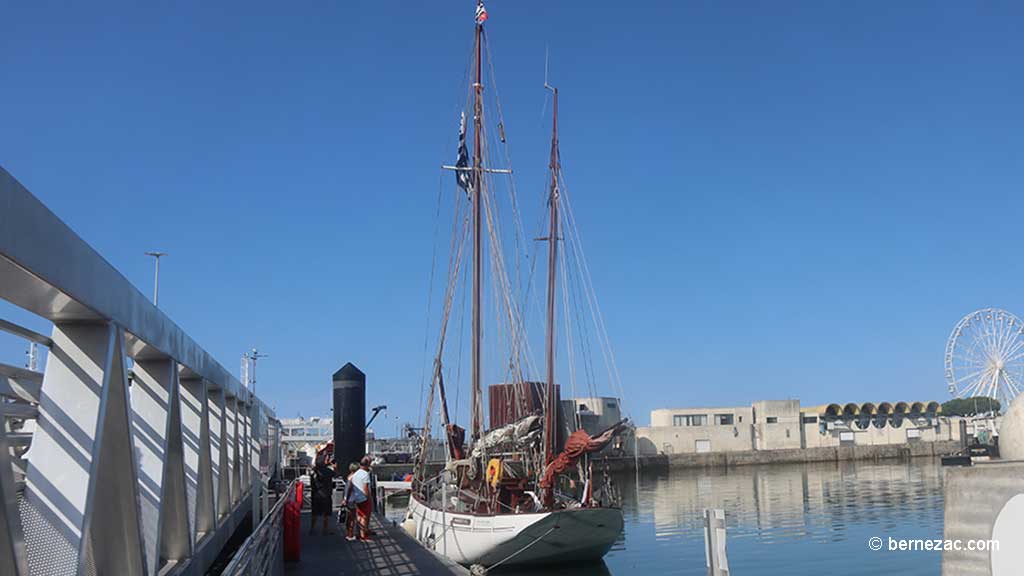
{"points": [[550, 411], [478, 90]]}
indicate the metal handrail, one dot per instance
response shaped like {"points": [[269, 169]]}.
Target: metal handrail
{"points": [[30, 335], [255, 557]]}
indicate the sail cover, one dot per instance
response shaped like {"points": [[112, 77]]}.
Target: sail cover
{"points": [[519, 435]]}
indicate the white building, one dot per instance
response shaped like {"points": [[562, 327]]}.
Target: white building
{"points": [[784, 424], [300, 437]]}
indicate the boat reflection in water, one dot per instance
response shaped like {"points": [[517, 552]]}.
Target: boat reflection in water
{"points": [[781, 520]]}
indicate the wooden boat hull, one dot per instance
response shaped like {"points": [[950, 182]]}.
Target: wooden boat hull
{"points": [[571, 535]]}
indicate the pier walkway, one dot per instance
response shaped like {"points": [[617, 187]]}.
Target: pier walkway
{"points": [[392, 552]]}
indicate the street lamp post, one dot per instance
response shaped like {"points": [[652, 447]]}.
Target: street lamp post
{"points": [[253, 355], [156, 275]]}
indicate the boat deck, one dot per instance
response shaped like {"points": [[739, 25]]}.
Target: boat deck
{"points": [[391, 553]]}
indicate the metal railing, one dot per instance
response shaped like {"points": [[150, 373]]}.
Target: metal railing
{"points": [[133, 451], [262, 552]]}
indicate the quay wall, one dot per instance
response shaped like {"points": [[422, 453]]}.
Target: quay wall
{"points": [[745, 457], [983, 502], [783, 456]]}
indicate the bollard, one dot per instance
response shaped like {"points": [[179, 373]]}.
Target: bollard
{"points": [[714, 542]]}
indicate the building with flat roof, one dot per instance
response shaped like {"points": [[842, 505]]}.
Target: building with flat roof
{"points": [[784, 424], [301, 436]]}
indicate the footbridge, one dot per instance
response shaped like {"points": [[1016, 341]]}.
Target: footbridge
{"points": [[133, 451]]}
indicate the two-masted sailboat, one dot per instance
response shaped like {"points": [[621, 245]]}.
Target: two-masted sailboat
{"points": [[521, 492]]}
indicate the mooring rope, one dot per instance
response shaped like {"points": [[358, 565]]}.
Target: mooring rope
{"points": [[478, 570]]}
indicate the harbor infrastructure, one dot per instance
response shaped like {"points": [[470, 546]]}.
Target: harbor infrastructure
{"points": [[984, 501], [133, 451]]}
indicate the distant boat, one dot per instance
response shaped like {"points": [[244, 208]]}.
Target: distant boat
{"points": [[510, 496]]}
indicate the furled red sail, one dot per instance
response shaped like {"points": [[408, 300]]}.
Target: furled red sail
{"points": [[578, 444]]}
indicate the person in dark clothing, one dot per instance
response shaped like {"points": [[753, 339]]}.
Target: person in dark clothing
{"points": [[322, 489]]}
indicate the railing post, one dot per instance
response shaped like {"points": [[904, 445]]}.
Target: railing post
{"points": [[219, 452], [199, 486], [83, 432], [234, 454], [243, 443], [158, 442]]}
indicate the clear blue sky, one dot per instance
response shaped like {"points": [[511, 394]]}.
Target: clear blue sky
{"points": [[791, 199]]}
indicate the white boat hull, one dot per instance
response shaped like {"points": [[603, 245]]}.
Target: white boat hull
{"points": [[569, 535]]}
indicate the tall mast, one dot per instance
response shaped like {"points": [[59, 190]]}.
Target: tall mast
{"points": [[550, 421], [478, 89]]}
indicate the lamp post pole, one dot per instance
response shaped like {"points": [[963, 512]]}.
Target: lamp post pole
{"points": [[253, 355], [156, 275]]}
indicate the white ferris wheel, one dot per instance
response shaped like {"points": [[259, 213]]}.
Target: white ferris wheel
{"points": [[985, 356]]}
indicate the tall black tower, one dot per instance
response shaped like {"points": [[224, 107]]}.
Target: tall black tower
{"points": [[349, 416]]}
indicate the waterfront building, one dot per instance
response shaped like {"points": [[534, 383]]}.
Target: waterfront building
{"points": [[596, 414], [300, 437], [785, 424]]}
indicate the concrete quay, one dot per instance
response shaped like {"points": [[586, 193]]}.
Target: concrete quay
{"points": [[748, 457], [781, 456], [984, 503]]}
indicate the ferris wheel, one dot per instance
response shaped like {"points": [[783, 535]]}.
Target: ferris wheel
{"points": [[985, 356]]}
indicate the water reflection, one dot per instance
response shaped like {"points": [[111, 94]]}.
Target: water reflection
{"points": [[781, 519]]}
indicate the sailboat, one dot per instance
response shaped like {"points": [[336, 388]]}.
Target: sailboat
{"points": [[516, 494]]}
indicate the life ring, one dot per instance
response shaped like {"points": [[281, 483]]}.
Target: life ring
{"points": [[493, 472]]}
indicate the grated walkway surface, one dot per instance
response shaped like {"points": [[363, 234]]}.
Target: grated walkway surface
{"points": [[392, 552]]}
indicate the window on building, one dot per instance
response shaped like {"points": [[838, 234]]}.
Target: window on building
{"points": [[690, 420], [611, 405], [702, 446], [723, 419], [810, 419], [583, 408], [772, 420]]}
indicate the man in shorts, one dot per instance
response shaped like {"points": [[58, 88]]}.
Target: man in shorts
{"points": [[361, 482]]}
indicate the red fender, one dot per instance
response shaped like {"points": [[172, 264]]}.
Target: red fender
{"points": [[292, 531]]}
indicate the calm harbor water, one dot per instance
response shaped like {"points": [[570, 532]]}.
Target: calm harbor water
{"points": [[781, 519]]}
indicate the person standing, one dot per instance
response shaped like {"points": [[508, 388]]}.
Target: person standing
{"points": [[322, 488], [350, 503], [364, 507]]}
